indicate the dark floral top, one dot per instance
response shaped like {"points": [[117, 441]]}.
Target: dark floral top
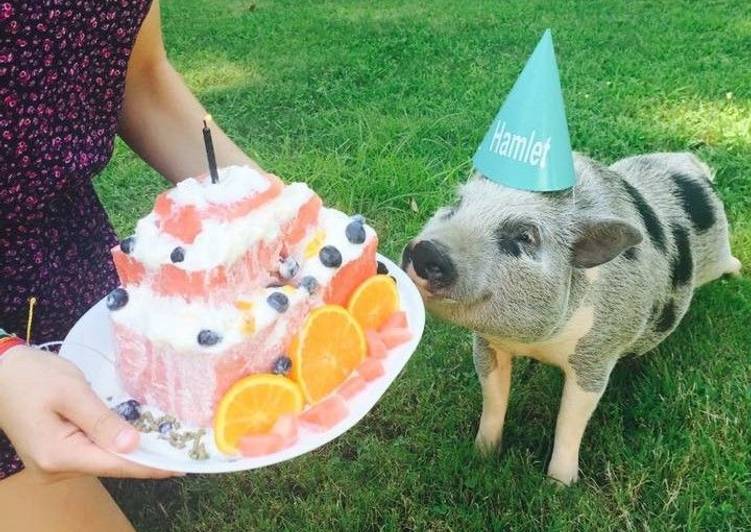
{"points": [[62, 79]]}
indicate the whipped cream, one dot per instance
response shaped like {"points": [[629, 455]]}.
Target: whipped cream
{"points": [[234, 182], [220, 242], [333, 223], [177, 322]]}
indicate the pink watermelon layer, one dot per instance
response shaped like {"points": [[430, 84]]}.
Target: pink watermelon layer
{"points": [[222, 283], [185, 222], [351, 275], [188, 384]]}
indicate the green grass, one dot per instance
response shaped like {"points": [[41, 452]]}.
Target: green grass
{"points": [[379, 109]]}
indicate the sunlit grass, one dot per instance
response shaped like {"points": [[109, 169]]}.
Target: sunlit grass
{"points": [[722, 123]]}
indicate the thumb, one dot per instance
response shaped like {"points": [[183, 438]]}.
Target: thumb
{"points": [[102, 426]]}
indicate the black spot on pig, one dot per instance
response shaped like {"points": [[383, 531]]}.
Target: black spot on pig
{"points": [[648, 216], [666, 317], [695, 201], [682, 263]]}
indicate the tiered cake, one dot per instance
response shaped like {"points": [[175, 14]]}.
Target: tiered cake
{"points": [[217, 280]]}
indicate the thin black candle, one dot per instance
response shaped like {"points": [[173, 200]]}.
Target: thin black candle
{"points": [[210, 150]]}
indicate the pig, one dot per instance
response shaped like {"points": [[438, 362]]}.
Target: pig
{"points": [[578, 278]]}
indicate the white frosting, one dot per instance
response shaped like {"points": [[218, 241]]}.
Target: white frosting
{"points": [[220, 242], [235, 182], [174, 321], [333, 222]]}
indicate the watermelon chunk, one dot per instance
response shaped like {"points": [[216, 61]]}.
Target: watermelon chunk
{"points": [[395, 337], [352, 275], [129, 270], [286, 427], [163, 205], [371, 369], [398, 320], [260, 444], [327, 413], [352, 387], [376, 347], [185, 224], [305, 219]]}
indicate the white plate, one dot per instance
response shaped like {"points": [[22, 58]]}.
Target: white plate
{"points": [[90, 346]]}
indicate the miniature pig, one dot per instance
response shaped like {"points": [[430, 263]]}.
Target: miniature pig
{"points": [[577, 279]]}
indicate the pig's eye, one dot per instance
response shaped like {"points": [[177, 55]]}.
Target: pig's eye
{"points": [[526, 237], [518, 241]]}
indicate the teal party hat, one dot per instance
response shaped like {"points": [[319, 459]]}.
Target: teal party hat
{"points": [[528, 145]]}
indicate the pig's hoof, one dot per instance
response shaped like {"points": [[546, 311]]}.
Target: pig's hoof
{"points": [[487, 446], [734, 267], [564, 474]]}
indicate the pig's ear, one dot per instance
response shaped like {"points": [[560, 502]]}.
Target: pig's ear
{"points": [[600, 240]]}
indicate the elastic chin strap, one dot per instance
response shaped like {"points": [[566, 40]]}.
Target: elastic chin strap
{"points": [[570, 280]]}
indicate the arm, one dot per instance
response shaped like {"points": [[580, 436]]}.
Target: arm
{"points": [[161, 119]]}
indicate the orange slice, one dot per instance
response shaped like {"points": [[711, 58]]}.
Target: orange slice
{"points": [[329, 347], [374, 302], [252, 406]]}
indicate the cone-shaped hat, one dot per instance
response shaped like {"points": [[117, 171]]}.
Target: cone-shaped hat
{"points": [[528, 145]]}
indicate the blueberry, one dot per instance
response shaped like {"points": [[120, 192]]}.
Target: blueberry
{"points": [[282, 365], [177, 255], [209, 337], [278, 302], [127, 245], [129, 410], [355, 232], [382, 269], [330, 256], [288, 268], [359, 218], [310, 284], [165, 427], [117, 299]]}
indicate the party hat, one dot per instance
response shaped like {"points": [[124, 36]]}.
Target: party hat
{"points": [[528, 145]]}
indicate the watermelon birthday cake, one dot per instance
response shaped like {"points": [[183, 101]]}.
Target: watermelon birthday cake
{"points": [[248, 307]]}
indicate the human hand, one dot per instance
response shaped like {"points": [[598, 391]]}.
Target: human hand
{"points": [[57, 423]]}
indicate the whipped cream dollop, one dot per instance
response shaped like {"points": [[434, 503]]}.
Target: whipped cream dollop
{"points": [[235, 182]]}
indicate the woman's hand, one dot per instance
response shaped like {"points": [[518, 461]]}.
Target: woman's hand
{"points": [[56, 422]]}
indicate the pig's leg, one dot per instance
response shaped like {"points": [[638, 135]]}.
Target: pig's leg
{"points": [[577, 406], [494, 370]]}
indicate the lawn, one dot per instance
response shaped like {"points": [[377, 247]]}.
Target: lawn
{"points": [[379, 109]]}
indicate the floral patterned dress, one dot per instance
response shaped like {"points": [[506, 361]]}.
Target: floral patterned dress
{"points": [[62, 79]]}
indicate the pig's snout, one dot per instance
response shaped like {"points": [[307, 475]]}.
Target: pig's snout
{"points": [[431, 262]]}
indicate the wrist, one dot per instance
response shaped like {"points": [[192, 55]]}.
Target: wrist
{"points": [[8, 356], [9, 342]]}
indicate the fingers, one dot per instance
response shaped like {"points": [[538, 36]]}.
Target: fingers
{"points": [[101, 430], [82, 456], [103, 427]]}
